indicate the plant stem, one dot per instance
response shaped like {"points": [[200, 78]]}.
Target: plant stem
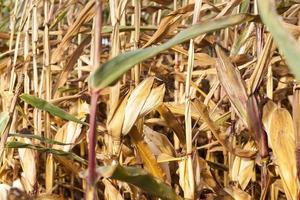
{"points": [[92, 151], [91, 181]]}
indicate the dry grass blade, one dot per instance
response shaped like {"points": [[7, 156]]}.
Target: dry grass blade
{"points": [[154, 100], [281, 133], [233, 84], [169, 23], [69, 66], [179, 109], [27, 159], [4, 118], [110, 192], [172, 98], [85, 15], [115, 124], [160, 140], [261, 67], [237, 193], [136, 103], [268, 110], [172, 122], [296, 120], [163, 2], [146, 154], [200, 107], [243, 170]]}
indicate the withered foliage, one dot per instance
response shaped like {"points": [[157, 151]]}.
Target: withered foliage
{"points": [[194, 99]]}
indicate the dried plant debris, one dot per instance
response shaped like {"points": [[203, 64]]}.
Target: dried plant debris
{"points": [[149, 99]]}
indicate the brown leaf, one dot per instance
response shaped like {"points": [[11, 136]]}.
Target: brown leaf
{"points": [[85, 15], [173, 123], [283, 145], [233, 84], [136, 103], [169, 23], [63, 76], [201, 108], [146, 154]]}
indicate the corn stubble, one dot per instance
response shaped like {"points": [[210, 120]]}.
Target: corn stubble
{"points": [[173, 99]]}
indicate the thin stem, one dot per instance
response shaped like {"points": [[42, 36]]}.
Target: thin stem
{"points": [[92, 140], [91, 181], [189, 191]]}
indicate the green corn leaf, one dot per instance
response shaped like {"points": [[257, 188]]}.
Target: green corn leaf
{"points": [[285, 42], [18, 145], [110, 71], [140, 178], [42, 139], [52, 109]]}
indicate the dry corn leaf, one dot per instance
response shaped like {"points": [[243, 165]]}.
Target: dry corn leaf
{"points": [[4, 118], [85, 15], [206, 176], [69, 66], [136, 103], [261, 66], [172, 122], [163, 2], [69, 165], [169, 23], [233, 84], [268, 109], [115, 124], [219, 120], [4, 63], [159, 144], [183, 176], [160, 140], [4, 189], [154, 100], [70, 131], [27, 160], [178, 108], [167, 158], [281, 133], [243, 169], [146, 154], [45, 196], [49, 176], [296, 121], [110, 192], [237, 193], [201, 108], [207, 180]]}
